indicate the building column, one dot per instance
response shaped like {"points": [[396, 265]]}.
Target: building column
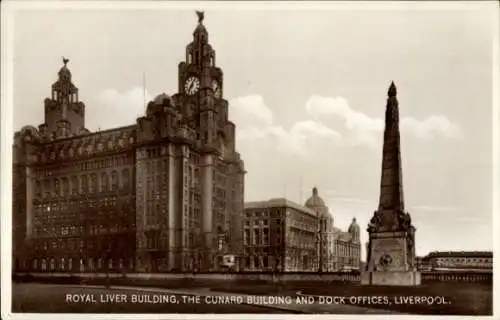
{"points": [[172, 206], [206, 206], [182, 204]]}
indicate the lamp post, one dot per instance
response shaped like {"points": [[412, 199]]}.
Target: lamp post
{"points": [[319, 246]]}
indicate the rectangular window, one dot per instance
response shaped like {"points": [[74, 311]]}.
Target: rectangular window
{"points": [[265, 240], [256, 235], [246, 238]]}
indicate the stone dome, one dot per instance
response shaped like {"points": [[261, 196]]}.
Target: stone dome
{"points": [[315, 200], [316, 203], [160, 99]]}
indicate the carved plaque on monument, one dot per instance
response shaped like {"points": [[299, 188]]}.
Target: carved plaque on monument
{"points": [[392, 249]]}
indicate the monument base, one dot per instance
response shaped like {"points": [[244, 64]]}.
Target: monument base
{"points": [[391, 278]]}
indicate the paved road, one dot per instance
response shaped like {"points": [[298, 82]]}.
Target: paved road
{"points": [[50, 298]]}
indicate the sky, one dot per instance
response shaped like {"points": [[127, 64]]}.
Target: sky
{"points": [[307, 91]]}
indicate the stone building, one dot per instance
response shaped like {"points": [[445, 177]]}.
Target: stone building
{"points": [[456, 260], [280, 235], [165, 193]]}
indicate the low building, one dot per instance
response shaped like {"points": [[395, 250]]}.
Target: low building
{"points": [[281, 235], [423, 263], [457, 260]]}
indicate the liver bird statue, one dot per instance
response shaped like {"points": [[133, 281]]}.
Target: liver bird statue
{"points": [[201, 16], [65, 60]]}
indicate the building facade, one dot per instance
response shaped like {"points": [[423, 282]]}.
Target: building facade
{"points": [[165, 193], [280, 235], [456, 260]]}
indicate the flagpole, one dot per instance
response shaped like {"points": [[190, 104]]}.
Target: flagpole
{"points": [[144, 90], [300, 191]]}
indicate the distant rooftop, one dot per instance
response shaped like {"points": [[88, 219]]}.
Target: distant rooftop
{"points": [[452, 254], [278, 203]]}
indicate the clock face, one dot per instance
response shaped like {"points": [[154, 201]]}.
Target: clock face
{"points": [[192, 85], [216, 89]]}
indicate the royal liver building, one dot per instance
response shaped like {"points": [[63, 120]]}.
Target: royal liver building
{"points": [[163, 194]]}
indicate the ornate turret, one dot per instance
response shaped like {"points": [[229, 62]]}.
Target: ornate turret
{"points": [[64, 113], [200, 33], [354, 230], [63, 88]]}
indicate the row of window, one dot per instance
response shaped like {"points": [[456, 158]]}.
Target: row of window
{"points": [[260, 214], [44, 231], [83, 184], [156, 152], [72, 244], [64, 95], [87, 150], [70, 264], [465, 260], [76, 207], [260, 237], [257, 223]]}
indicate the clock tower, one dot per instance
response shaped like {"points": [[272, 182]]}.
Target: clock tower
{"points": [[221, 173], [200, 85]]}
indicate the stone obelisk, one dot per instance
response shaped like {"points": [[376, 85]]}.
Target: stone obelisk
{"points": [[391, 246]]}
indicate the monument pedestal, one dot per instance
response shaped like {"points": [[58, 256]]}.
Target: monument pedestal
{"points": [[391, 278]]}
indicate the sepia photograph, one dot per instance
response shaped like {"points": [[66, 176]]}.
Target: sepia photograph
{"points": [[183, 159]]}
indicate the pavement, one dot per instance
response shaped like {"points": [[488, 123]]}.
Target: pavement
{"points": [[293, 307]]}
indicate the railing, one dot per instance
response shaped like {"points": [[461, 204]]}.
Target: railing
{"points": [[427, 277]]}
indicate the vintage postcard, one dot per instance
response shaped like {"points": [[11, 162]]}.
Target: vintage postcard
{"points": [[220, 159]]}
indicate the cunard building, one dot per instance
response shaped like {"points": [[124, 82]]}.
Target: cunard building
{"points": [[281, 235], [165, 193]]}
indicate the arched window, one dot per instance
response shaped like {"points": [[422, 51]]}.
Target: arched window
{"points": [[126, 179], [70, 264], [114, 180], [104, 182], [82, 265], [38, 188], [99, 263], [91, 264], [84, 182], [35, 264], [62, 264], [44, 264], [57, 188], [74, 185], [93, 183], [65, 185], [52, 264], [46, 188], [110, 263]]}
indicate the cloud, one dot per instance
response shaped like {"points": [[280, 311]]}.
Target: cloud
{"points": [[254, 122], [117, 108], [367, 130], [253, 109], [431, 128]]}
